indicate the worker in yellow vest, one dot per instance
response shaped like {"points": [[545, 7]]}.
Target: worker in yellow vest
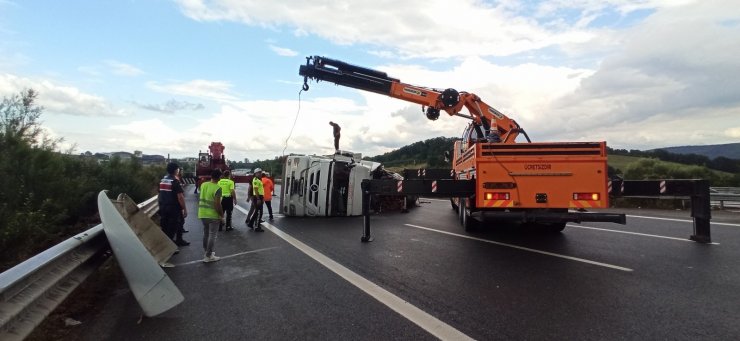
{"points": [[228, 199], [210, 213], [258, 192]]}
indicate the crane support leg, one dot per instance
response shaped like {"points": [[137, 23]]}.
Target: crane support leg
{"points": [[366, 238], [701, 212]]}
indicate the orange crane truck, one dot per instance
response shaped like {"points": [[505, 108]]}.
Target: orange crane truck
{"points": [[495, 177]]}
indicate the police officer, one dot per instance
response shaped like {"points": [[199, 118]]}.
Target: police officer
{"points": [[172, 209], [228, 199]]}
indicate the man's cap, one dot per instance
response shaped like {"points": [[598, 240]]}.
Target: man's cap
{"points": [[266, 173], [257, 170]]}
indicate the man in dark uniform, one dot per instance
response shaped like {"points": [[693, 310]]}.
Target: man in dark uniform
{"points": [[337, 130], [172, 207]]}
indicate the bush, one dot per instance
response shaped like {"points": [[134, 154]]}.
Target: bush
{"points": [[46, 195]]}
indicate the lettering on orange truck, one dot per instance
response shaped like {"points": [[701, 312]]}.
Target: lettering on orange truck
{"points": [[415, 92], [538, 166]]}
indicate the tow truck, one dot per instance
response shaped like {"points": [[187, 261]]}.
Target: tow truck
{"points": [[214, 158], [495, 177]]}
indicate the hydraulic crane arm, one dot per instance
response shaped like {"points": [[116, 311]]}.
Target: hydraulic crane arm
{"points": [[497, 127]]}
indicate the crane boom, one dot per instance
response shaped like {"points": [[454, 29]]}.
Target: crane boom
{"points": [[496, 126]]}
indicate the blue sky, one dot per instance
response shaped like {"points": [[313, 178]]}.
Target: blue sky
{"points": [[171, 76]]}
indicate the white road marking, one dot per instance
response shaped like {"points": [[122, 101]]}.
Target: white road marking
{"points": [[422, 319], [525, 248], [229, 256], [681, 220], [635, 233]]}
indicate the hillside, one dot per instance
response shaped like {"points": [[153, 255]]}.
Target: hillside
{"points": [[427, 153], [729, 150], [622, 162]]}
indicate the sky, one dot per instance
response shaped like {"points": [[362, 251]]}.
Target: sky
{"points": [[169, 77]]}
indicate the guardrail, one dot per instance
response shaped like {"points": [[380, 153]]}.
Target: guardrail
{"points": [[724, 194], [31, 290]]}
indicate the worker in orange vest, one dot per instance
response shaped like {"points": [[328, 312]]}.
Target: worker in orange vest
{"points": [[269, 187]]}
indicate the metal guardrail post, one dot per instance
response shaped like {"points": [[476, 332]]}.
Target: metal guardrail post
{"points": [[31, 290]]}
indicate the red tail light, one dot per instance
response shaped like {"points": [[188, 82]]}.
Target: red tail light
{"points": [[497, 196], [586, 196]]}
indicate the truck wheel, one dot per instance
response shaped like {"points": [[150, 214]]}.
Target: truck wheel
{"points": [[460, 210], [554, 227], [468, 223]]}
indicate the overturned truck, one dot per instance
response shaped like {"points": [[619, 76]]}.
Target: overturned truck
{"points": [[329, 186]]}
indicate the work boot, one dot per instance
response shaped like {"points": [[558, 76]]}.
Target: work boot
{"points": [[182, 242], [259, 229]]}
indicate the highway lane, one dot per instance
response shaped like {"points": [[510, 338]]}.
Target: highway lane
{"points": [[262, 289], [521, 286]]}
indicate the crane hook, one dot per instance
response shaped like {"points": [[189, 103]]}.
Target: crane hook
{"points": [[305, 78]]}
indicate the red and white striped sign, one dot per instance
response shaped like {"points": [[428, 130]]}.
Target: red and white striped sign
{"points": [[622, 190], [662, 187], [400, 186], [452, 173], [434, 186], [609, 190]]}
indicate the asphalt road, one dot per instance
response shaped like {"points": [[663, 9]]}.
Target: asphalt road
{"points": [[312, 279]]}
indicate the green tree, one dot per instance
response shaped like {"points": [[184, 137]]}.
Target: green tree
{"points": [[46, 195]]}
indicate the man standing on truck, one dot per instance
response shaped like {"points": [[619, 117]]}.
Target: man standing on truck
{"points": [[228, 199], [337, 130]]}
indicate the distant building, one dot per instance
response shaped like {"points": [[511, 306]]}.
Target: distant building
{"points": [[123, 156], [136, 156], [153, 159]]}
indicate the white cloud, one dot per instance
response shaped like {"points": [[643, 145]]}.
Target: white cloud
{"points": [[144, 134], [415, 28], [282, 51], [59, 98], [677, 65], [123, 69], [199, 88], [733, 132], [170, 107]]}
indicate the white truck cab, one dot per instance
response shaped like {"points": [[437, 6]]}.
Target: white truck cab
{"points": [[324, 185]]}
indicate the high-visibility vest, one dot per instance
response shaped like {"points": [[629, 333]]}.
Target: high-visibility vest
{"points": [[227, 186], [207, 203], [257, 188]]}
